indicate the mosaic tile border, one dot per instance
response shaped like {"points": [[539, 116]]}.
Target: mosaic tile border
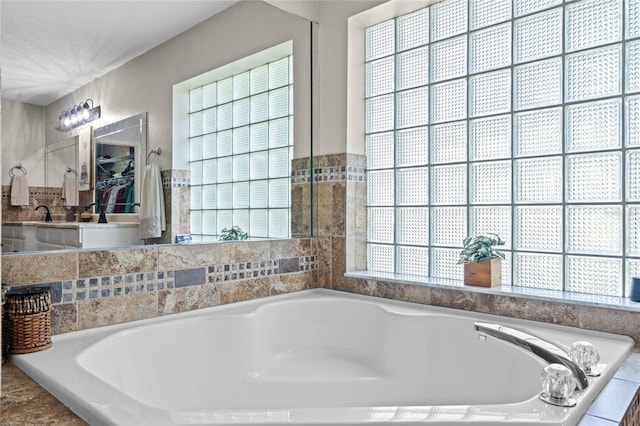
{"points": [[175, 182], [92, 288], [330, 174]]}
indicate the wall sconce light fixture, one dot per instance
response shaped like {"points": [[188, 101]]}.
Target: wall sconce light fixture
{"points": [[77, 115]]}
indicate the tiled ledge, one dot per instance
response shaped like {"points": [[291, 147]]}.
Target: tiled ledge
{"points": [[612, 315], [583, 299]]}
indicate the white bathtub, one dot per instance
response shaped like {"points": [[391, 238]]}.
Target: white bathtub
{"points": [[315, 357]]}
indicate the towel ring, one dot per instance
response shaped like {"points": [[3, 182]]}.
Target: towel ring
{"points": [[70, 170], [18, 167], [156, 151]]}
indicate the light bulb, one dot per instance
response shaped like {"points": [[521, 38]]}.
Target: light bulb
{"points": [[86, 112], [66, 121]]}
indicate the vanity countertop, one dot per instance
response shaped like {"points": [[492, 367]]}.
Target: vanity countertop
{"points": [[74, 225]]}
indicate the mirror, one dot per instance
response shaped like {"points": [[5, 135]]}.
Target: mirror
{"points": [[120, 151], [60, 163], [145, 85]]}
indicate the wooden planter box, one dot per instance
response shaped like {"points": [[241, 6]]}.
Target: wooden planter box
{"points": [[483, 274]]}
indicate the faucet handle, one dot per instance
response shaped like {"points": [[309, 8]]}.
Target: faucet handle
{"points": [[558, 385], [586, 356]]}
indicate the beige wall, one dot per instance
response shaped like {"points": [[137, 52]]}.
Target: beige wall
{"points": [[23, 140], [145, 83], [333, 17]]}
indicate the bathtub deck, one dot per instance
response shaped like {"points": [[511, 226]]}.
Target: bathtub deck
{"points": [[24, 402]]}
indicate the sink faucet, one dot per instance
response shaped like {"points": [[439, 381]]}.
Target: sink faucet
{"points": [[47, 217], [542, 348], [102, 218]]}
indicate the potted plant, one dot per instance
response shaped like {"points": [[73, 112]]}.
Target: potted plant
{"points": [[482, 262], [232, 234]]}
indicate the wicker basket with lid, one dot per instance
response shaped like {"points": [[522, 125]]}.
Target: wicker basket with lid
{"points": [[28, 311]]}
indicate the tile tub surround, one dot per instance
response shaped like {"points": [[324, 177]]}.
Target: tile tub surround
{"points": [[93, 288], [177, 199], [341, 215]]}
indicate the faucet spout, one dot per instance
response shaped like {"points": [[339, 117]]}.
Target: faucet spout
{"points": [[542, 348], [102, 218], [47, 217]]}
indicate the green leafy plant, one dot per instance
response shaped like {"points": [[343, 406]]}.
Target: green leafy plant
{"points": [[481, 248], [232, 234]]}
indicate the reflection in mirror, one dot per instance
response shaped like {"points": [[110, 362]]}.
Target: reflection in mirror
{"points": [[158, 70], [120, 151], [61, 176]]}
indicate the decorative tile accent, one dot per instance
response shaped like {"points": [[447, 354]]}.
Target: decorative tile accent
{"points": [[175, 178], [173, 182], [107, 286], [329, 168], [308, 263], [187, 277]]}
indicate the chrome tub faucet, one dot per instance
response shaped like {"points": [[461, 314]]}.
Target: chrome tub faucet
{"points": [[546, 350]]}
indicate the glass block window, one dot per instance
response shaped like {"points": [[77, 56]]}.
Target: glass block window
{"points": [[241, 146], [520, 118]]}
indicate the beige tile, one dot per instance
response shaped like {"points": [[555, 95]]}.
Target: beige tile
{"points": [[338, 209], [243, 251], [188, 256], [338, 259], [115, 310], [357, 160], [288, 283], [418, 294], [356, 285], [459, 299], [187, 299], [615, 321], [324, 261], [64, 318], [300, 164], [240, 290], [251, 251], [389, 290], [123, 261], [360, 209], [39, 268], [301, 210], [535, 310], [286, 249], [325, 213]]}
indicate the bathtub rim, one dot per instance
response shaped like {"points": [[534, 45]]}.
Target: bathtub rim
{"points": [[69, 398]]}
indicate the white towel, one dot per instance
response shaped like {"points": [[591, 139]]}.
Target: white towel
{"points": [[19, 191], [70, 190], [152, 215]]}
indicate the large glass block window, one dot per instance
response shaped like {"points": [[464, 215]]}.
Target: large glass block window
{"points": [[241, 133], [520, 118]]}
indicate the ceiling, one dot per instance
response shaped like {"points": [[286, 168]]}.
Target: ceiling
{"points": [[51, 48]]}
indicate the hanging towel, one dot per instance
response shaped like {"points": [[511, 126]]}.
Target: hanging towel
{"points": [[70, 190], [152, 215], [19, 191]]}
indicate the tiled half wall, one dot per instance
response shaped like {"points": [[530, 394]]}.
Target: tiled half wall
{"points": [[93, 288]]}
